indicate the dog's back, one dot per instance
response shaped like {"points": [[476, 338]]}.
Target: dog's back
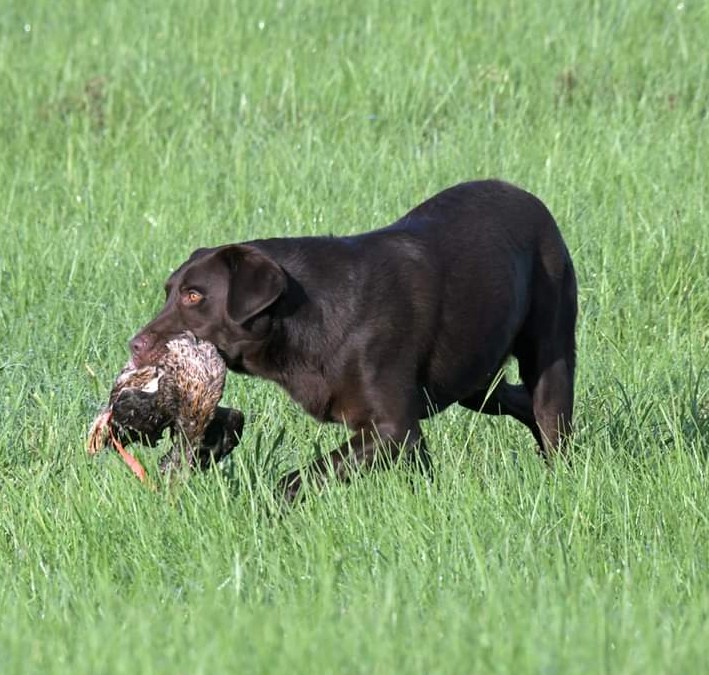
{"points": [[448, 287]]}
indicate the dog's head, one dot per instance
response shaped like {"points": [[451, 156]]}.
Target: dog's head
{"points": [[221, 295]]}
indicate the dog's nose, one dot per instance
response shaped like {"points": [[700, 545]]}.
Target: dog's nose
{"points": [[139, 344]]}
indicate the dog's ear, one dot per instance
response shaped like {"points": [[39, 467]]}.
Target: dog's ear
{"points": [[255, 281]]}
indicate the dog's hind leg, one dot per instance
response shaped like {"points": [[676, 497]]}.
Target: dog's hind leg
{"points": [[546, 352]]}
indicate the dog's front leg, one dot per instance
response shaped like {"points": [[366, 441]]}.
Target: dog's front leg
{"points": [[373, 446]]}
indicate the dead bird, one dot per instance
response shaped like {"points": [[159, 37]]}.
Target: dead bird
{"points": [[178, 393]]}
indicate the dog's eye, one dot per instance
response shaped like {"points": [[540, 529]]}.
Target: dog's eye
{"points": [[192, 297]]}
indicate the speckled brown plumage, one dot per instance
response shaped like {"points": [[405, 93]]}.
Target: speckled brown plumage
{"points": [[180, 393]]}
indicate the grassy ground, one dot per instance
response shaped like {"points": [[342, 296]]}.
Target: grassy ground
{"points": [[133, 132]]}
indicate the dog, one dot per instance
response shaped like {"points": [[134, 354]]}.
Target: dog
{"points": [[383, 329]]}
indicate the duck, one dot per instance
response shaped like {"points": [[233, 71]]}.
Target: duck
{"points": [[178, 393]]}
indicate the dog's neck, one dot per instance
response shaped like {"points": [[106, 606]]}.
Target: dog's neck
{"points": [[300, 336]]}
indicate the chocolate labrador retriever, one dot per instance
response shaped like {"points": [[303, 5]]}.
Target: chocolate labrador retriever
{"points": [[385, 328]]}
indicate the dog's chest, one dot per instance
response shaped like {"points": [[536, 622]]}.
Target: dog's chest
{"points": [[325, 403], [311, 391]]}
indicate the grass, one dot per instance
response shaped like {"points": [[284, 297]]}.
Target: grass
{"points": [[132, 133]]}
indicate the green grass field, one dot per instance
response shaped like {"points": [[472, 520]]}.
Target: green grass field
{"points": [[131, 133]]}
